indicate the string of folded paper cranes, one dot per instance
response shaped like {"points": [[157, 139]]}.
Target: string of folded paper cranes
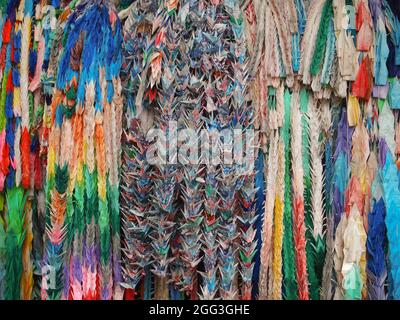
{"points": [[85, 215]]}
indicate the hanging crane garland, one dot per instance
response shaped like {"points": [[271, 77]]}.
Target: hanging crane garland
{"points": [[86, 214], [83, 177], [21, 163]]}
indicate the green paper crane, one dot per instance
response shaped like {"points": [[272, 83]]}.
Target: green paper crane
{"points": [[14, 239]]}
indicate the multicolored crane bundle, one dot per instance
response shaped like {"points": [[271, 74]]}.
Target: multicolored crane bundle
{"points": [[199, 149]]}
